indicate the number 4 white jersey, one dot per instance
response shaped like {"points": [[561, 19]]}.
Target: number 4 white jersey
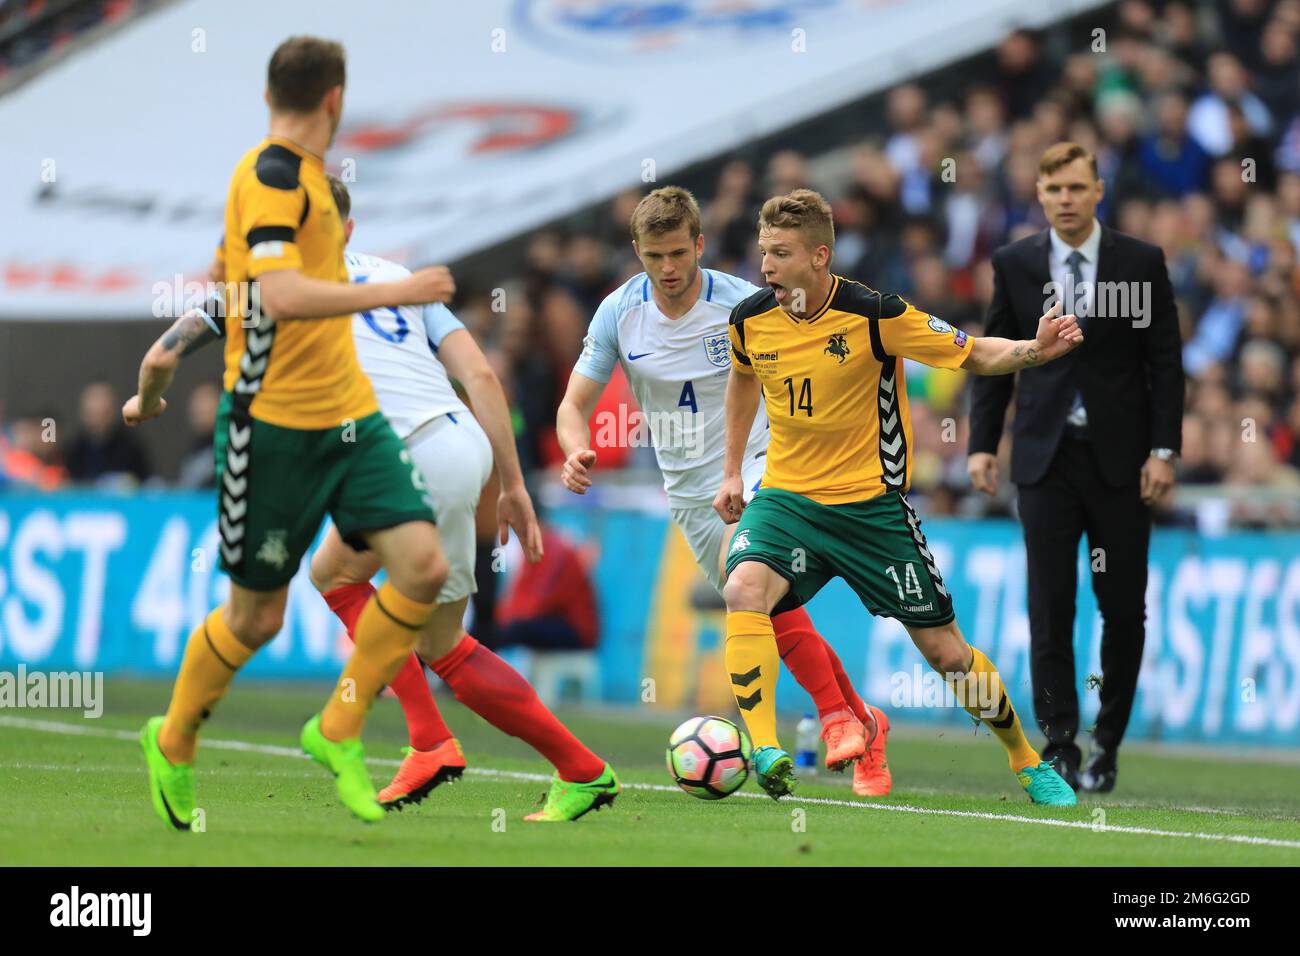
{"points": [[398, 348], [678, 370]]}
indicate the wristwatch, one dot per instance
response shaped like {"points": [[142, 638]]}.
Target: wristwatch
{"points": [[1164, 454]]}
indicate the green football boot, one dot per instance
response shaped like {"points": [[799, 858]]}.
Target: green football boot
{"points": [[1044, 785], [775, 770], [345, 759], [171, 786], [569, 801]]}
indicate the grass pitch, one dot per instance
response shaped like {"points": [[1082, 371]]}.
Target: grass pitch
{"points": [[73, 793]]}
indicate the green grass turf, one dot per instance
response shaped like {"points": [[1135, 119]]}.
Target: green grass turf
{"points": [[81, 800]]}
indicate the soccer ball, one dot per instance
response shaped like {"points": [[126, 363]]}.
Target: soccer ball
{"points": [[708, 757]]}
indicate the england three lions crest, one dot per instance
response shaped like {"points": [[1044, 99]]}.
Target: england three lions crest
{"points": [[718, 349]]}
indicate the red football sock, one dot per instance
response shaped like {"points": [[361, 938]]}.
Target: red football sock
{"points": [[424, 721], [855, 702], [803, 651], [497, 692], [347, 602], [424, 724]]}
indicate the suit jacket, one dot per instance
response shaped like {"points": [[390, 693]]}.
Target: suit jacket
{"points": [[1130, 378]]}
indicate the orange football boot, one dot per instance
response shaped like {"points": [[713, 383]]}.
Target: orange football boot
{"points": [[421, 771], [846, 739], [871, 776]]}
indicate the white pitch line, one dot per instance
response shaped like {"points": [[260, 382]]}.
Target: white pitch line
{"points": [[58, 727]]}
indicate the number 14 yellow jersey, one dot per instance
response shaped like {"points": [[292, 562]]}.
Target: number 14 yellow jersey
{"points": [[834, 390]]}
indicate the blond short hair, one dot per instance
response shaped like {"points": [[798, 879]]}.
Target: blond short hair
{"points": [[342, 198], [1059, 155], [804, 210], [664, 210]]}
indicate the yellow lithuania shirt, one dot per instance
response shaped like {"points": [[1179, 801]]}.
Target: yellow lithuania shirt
{"points": [[280, 214], [834, 390]]}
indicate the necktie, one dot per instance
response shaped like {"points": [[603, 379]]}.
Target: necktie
{"points": [[1076, 301]]}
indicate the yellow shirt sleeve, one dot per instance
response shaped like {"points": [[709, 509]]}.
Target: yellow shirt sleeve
{"points": [[925, 338], [271, 217], [739, 359]]}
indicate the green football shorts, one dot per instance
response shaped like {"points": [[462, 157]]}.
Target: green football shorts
{"points": [[276, 485], [876, 546]]}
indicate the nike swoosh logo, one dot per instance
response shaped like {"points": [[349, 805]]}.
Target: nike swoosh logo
{"points": [[177, 822], [633, 358]]}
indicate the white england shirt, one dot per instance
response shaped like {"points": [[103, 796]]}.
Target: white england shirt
{"points": [[678, 370], [398, 349]]}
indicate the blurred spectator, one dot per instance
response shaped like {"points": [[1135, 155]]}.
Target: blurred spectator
{"points": [[104, 448], [1170, 157], [1023, 76], [1216, 334], [1210, 118], [198, 470], [29, 456], [550, 605]]}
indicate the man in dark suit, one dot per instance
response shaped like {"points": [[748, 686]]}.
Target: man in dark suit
{"points": [[1093, 445]]}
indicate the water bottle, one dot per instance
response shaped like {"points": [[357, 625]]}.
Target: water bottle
{"points": [[808, 735]]}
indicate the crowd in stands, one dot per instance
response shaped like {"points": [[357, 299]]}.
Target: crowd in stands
{"points": [[1194, 113], [34, 30], [1193, 110], [37, 451]]}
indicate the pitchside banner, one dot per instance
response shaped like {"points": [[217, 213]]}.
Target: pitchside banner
{"points": [[464, 123], [97, 583]]}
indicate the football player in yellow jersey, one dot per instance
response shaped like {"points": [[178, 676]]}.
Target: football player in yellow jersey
{"points": [[826, 356], [299, 436]]}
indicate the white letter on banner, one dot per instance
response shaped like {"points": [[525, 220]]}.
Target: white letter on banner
{"points": [[4, 577], [1227, 579], [1013, 635], [1151, 688], [206, 589], [1286, 704], [1256, 657], [316, 626], [1182, 696], [986, 569], [32, 641], [158, 606], [97, 534]]}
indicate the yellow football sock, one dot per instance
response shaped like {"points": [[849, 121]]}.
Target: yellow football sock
{"points": [[212, 656], [385, 635], [753, 663], [981, 692]]}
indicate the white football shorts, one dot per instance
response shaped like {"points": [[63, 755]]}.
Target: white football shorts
{"points": [[704, 530], [455, 458]]}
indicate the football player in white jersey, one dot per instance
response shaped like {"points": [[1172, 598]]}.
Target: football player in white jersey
{"points": [[408, 353], [667, 327]]}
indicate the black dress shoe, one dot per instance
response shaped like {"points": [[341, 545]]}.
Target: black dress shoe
{"points": [[1068, 768], [1100, 771]]}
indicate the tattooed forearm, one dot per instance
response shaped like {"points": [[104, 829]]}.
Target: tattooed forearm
{"points": [[1026, 354], [996, 356], [189, 334]]}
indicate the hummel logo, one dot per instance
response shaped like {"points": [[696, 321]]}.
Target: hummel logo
{"points": [[633, 358]]}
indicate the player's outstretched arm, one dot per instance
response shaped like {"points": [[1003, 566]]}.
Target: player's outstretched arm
{"points": [[571, 429], [467, 364], [741, 405], [1056, 336], [289, 295], [188, 334]]}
